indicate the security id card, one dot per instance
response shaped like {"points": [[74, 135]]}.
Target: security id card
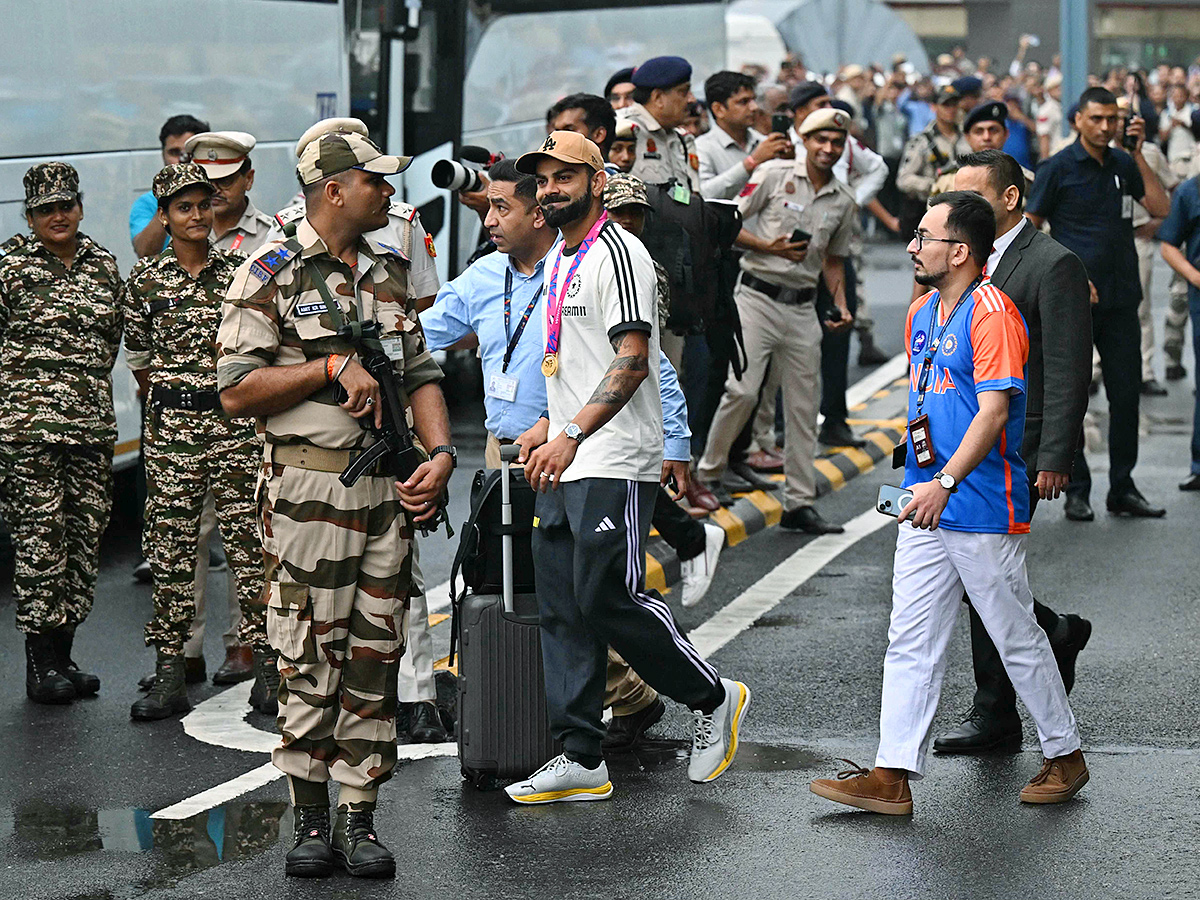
{"points": [[918, 430], [502, 386], [394, 348]]}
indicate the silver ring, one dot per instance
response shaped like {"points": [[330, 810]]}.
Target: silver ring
{"points": [[370, 401], [544, 475]]}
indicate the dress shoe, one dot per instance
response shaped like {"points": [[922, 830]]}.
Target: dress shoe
{"points": [[1058, 780], [700, 497], [238, 665], [868, 353], [978, 733], [1066, 651], [310, 856], [625, 731], [719, 492], [1191, 483], [1176, 372], [1151, 388], [425, 724], [748, 475], [875, 790], [735, 483], [762, 461], [1077, 509], [808, 520], [838, 434], [1132, 503]]}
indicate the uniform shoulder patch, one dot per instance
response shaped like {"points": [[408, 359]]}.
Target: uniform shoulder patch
{"points": [[289, 214], [405, 211], [429, 248], [272, 258]]}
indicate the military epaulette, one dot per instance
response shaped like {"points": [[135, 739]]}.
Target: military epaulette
{"points": [[289, 214], [401, 210], [274, 257]]}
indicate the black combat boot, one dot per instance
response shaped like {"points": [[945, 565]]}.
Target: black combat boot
{"points": [[264, 693], [356, 846], [168, 696], [86, 684], [45, 681], [311, 855]]}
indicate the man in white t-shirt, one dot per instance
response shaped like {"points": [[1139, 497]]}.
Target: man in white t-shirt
{"points": [[597, 479]]}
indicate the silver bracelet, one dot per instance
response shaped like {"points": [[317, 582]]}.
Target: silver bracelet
{"points": [[338, 374]]}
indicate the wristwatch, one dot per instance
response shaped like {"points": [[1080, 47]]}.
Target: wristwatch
{"points": [[947, 481], [575, 433], [446, 448]]}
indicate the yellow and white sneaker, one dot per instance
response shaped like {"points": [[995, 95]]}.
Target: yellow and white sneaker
{"points": [[715, 737], [562, 780]]}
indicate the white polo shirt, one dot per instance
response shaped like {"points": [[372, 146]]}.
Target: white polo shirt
{"points": [[613, 291]]}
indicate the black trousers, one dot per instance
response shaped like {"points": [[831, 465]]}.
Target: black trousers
{"points": [[1117, 335], [589, 573], [835, 352], [683, 533]]}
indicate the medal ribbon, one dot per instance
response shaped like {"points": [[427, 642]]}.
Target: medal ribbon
{"points": [[554, 298], [512, 341], [927, 363]]}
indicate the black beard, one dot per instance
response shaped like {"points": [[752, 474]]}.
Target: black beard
{"points": [[565, 215], [929, 279]]}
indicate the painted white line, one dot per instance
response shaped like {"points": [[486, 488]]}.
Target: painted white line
{"points": [[221, 721], [222, 793], [438, 597], [863, 390], [765, 594]]}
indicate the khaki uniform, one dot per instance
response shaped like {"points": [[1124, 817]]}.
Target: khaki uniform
{"points": [[786, 335], [337, 558], [1147, 250], [660, 154], [250, 233], [171, 327], [59, 332], [926, 154]]}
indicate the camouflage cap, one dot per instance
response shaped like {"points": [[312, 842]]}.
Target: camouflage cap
{"points": [[174, 178], [337, 125], [50, 182], [335, 152], [625, 190]]}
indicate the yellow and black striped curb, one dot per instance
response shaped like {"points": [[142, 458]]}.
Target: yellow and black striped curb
{"points": [[754, 511]]}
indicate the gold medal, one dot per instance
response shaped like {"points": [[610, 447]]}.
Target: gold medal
{"points": [[549, 364]]}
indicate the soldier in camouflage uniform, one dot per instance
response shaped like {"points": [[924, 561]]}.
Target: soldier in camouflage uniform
{"points": [[60, 326], [337, 565], [172, 305], [927, 154]]}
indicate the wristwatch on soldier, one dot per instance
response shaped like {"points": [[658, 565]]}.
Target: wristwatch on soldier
{"points": [[446, 448], [947, 481], [575, 433]]}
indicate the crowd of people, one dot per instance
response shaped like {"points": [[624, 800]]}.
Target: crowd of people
{"points": [[662, 281]]}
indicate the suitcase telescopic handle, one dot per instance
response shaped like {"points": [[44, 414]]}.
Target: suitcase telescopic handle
{"points": [[508, 453]]}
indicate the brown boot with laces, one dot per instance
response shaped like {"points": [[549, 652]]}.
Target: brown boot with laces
{"points": [[875, 790], [1058, 780]]}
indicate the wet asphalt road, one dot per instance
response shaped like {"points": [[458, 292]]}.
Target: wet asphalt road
{"points": [[82, 781]]}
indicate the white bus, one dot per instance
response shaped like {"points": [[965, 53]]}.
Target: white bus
{"points": [[90, 82]]}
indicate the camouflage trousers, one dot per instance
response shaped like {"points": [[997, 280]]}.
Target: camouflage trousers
{"points": [[189, 452], [338, 574], [57, 498]]}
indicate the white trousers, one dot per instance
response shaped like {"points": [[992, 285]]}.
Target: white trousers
{"points": [[416, 665], [931, 571]]}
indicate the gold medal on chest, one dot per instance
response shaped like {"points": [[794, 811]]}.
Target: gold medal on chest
{"points": [[549, 364]]}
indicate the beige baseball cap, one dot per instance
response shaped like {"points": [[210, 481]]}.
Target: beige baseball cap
{"points": [[337, 152], [219, 153], [567, 146]]}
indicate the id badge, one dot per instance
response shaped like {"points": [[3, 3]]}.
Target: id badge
{"points": [[681, 193], [394, 348], [502, 386], [1126, 206], [918, 430]]}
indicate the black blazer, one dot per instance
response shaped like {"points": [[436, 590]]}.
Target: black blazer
{"points": [[1048, 284]]}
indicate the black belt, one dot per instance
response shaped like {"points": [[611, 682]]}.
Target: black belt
{"points": [[778, 293], [200, 401]]}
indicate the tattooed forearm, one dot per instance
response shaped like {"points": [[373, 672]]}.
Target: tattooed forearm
{"points": [[620, 381]]}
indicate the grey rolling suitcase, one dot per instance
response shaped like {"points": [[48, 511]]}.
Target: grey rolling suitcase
{"points": [[503, 728]]}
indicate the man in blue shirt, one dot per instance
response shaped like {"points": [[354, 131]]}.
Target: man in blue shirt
{"points": [[1182, 230], [148, 236], [470, 312], [1086, 192]]}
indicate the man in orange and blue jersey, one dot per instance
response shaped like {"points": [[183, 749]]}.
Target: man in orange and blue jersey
{"points": [[965, 527]]}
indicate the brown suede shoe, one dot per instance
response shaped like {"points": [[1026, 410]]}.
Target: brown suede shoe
{"points": [[869, 789], [1058, 780]]}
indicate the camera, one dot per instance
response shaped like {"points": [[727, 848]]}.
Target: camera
{"points": [[463, 174]]}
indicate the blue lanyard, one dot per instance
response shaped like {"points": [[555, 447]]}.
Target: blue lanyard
{"points": [[927, 363], [512, 341]]}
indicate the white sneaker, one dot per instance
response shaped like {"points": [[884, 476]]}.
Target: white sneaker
{"points": [[697, 573], [715, 737], [561, 780]]}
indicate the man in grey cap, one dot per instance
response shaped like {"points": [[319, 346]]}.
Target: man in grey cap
{"points": [[662, 90], [225, 158]]}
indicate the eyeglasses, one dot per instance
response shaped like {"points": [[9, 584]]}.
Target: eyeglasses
{"points": [[922, 238]]}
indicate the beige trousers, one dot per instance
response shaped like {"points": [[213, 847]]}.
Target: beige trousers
{"points": [[194, 647], [1147, 250]]}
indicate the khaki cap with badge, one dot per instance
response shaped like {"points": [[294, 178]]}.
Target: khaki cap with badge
{"points": [[336, 125], [565, 146], [172, 179], [625, 190], [335, 152], [52, 182], [828, 119], [220, 153]]}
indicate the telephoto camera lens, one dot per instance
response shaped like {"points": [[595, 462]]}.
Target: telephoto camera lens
{"points": [[454, 176]]}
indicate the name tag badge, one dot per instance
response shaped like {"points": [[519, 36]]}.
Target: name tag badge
{"points": [[918, 430], [793, 205], [310, 309], [393, 347], [681, 193], [1126, 206], [502, 386]]}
